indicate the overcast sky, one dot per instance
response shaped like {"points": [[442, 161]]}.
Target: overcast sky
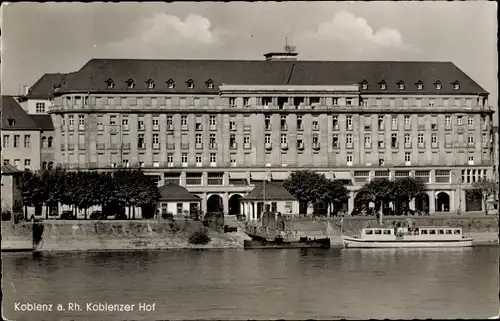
{"points": [[48, 37]]}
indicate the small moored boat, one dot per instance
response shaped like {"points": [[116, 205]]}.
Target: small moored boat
{"points": [[405, 237]]}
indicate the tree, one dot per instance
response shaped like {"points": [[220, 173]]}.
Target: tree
{"points": [[307, 186], [484, 189], [33, 190], [378, 191], [406, 189], [148, 195], [336, 194]]}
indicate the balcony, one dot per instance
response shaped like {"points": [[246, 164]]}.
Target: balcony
{"points": [[113, 129], [407, 163], [434, 127], [199, 127], [139, 146], [101, 146], [368, 145], [71, 127], [213, 127], [233, 146], [184, 127], [246, 127], [407, 145], [268, 146], [156, 127], [184, 145], [247, 146], [81, 127], [213, 145], [284, 146], [156, 146], [316, 146], [335, 127], [447, 144], [170, 127], [421, 127], [300, 146], [421, 145], [460, 129], [381, 145], [349, 145], [126, 146], [434, 145]]}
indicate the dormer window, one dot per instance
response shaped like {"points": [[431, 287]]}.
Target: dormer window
{"points": [[110, 83], [383, 85], [210, 84], [130, 84], [12, 121], [151, 84], [364, 85], [420, 85], [438, 85], [170, 84], [456, 85], [190, 84], [401, 85]]}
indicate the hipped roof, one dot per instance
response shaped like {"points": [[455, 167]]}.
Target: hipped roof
{"points": [[173, 192], [273, 192]]}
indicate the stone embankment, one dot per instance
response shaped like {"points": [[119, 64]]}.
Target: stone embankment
{"points": [[159, 235]]}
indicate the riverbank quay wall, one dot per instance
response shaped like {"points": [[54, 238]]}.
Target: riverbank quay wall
{"points": [[80, 235], [113, 235]]}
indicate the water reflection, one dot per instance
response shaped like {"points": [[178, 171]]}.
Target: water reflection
{"points": [[237, 284]]}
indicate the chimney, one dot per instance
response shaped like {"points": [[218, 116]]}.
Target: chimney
{"points": [[26, 89]]}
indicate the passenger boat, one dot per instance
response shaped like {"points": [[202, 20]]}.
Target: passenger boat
{"points": [[405, 237], [281, 243]]}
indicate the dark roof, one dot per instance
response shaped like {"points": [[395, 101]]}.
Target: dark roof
{"points": [[94, 74], [45, 87], [9, 169], [273, 192], [14, 117], [43, 122], [174, 192]]}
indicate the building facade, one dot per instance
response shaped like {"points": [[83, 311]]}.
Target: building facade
{"points": [[218, 127]]}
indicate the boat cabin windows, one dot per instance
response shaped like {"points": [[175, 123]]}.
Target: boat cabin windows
{"points": [[369, 232], [423, 232], [387, 232], [432, 232], [440, 231], [378, 232], [456, 232], [448, 232]]}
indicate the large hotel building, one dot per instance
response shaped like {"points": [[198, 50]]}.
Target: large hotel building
{"points": [[218, 127]]}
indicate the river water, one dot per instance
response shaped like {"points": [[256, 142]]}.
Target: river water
{"points": [[259, 284]]}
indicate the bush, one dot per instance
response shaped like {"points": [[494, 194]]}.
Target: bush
{"points": [[200, 237], [6, 216], [120, 216], [167, 216], [67, 215], [98, 215]]}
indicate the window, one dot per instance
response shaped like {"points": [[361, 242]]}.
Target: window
{"points": [[17, 138], [210, 84], [170, 159], [434, 138], [407, 139], [213, 141], [431, 103], [381, 143], [401, 85], [155, 122], [81, 122], [314, 100], [460, 120], [470, 140], [27, 163], [112, 120], [110, 83], [267, 122], [267, 101], [456, 85], [423, 176], [349, 122], [184, 159], [40, 108], [407, 157], [140, 123], [283, 123], [442, 176], [190, 84], [125, 126], [232, 141], [438, 85], [420, 138], [71, 121], [299, 123], [130, 84], [349, 159], [315, 140], [184, 122], [246, 142], [368, 141], [394, 141], [267, 139], [198, 160], [348, 139], [447, 121], [170, 84], [198, 140], [151, 84], [17, 163], [407, 122], [246, 101], [420, 85], [170, 123], [27, 141], [300, 144], [470, 121], [213, 121], [364, 85], [213, 158], [232, 124], [380, 122], [283, 138], [394, 122], [6, 141], [215, 178], [140, 141], [335, 141], [383, 85], [156, 140], [335, 122], [348, 101], [315, 124]]}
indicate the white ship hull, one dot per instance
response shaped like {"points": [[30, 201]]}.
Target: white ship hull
{"points": [[353, 242]]}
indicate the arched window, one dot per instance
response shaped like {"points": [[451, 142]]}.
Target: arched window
{"points": [[44, 165], [49, 142], [51, 165]]}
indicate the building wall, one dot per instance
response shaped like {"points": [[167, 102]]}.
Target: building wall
{"points": [[19, 154], [93, 135], [11, 191], [30, 106], [171, 207]]}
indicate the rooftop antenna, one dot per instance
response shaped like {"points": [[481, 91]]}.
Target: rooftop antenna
{"points": [[289, 48]]}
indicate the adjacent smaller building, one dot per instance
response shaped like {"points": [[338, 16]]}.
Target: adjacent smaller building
{"points": [[273, 194], [177, 200], [12, 198]]}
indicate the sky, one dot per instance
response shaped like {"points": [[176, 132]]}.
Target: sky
{"points": [[40, 38]]}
